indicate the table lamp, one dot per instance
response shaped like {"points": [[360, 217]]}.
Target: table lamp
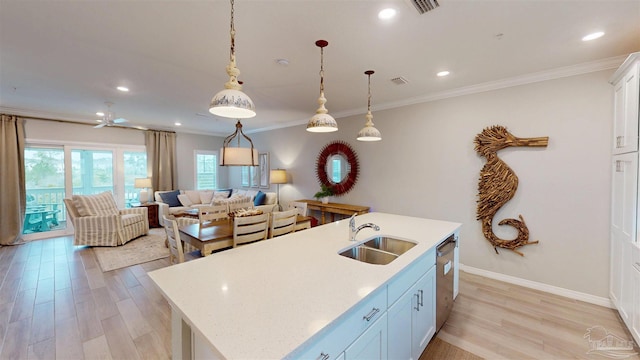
{"points": [[144, 184], [278, 176]]}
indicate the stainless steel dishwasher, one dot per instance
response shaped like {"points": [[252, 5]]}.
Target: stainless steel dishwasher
{"points": [[444, 280]]}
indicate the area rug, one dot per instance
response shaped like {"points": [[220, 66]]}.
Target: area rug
{"points": [[141, 250]]}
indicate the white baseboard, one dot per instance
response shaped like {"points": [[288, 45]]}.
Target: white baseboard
{"points": [[571, 294]]}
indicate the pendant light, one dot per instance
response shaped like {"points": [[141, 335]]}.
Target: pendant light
{"points": [[368, 132], [238, 156], [232, 102], [322, 121]]}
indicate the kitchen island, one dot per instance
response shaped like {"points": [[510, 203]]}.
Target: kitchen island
{"points": [[276, 298]]}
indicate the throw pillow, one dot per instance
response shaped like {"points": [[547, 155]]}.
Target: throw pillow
{"points": [[206, 196], [251, 194], [222, 193], [171, 198], [194, 196], [259, 199], [185, 200]]}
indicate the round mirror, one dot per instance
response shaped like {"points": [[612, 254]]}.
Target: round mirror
{"points": [[337, 167]]}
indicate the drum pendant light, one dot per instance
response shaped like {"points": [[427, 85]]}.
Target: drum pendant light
{"points": [[232, 102], [322, 121], [238, 156]]}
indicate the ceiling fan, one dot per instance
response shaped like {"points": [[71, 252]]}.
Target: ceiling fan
{"points": [[109, 118]]}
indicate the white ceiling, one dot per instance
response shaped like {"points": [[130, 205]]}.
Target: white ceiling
{"points": [[63, 59]]}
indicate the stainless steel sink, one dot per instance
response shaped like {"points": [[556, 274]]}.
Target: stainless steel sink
{"points": [[395, 246], [369, 255]]}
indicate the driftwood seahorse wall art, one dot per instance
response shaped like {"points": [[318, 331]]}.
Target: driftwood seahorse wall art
{"points": [[498, 184]]}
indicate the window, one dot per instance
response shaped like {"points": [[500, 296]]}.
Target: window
{"points": [[336, 173], [56, 171], [206, 169]]}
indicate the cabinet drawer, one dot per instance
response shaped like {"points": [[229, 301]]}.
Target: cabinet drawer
{"points": [[406, 278], [344, 331]]}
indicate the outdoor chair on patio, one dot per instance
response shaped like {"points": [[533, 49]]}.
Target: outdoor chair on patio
{"points": [[98, 222]]}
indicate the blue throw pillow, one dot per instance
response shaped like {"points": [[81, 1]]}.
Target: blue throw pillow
{"points": [[171, 198], [259, 199]]}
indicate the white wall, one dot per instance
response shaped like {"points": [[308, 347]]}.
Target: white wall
{"points": [[426, 166], [186, 145]]}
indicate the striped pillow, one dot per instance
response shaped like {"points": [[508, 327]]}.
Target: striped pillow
{"points": [[93, 205]]}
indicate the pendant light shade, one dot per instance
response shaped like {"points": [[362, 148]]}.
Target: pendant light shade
{"points": [[322, 121], [369, 132], [238, 156], [232, 102]]}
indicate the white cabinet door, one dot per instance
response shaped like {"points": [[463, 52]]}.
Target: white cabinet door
{"points": [[412, 319], [399, 317], [423, 322], [624, 193], [372, 344], [635, 284], [615, 281], [625, 124]]}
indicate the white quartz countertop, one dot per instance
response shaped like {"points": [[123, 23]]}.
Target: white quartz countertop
{"points": [[264, 300]]}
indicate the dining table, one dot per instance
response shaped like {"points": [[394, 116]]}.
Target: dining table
{"points": [[216, 235]]}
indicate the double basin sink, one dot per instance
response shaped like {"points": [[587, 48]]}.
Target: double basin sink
{"points": [[380, 250]]}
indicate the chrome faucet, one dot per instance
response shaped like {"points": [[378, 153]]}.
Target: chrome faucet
{"points": [[353, 231]]}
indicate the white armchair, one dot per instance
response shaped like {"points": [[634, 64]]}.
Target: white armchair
{"points": [[98, 222]]}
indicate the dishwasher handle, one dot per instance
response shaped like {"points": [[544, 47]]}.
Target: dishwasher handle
{"points": [[447, 246]]}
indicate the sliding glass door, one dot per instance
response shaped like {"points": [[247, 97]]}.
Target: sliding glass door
{"points": [[55, 172], [44, 183]]}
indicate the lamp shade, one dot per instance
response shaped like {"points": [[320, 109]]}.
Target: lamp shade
{"points": [[238, 156], [278, 176], [232, 103], [142, 183]]}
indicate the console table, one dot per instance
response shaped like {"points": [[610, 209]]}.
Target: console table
{"points": [[334, 208]]}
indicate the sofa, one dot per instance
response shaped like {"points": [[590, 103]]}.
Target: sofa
{"points": [[176, 201], [98, 222]]}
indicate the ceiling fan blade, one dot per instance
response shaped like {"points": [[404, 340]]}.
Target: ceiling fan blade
{"points": [[119, 121]]}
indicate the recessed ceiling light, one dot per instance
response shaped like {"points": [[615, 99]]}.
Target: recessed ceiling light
{"points": [[385, 14], [593, 36], [99, 121], [177, 123], [100, 113], [443, 73], [123, 88]]}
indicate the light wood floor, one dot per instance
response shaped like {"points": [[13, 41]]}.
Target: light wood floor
{"points": [[496, 320], [56, 303]]}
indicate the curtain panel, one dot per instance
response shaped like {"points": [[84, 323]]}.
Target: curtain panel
{"points": [[12, 179], [161, 159]]}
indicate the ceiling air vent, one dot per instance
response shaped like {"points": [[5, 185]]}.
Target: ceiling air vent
{"points": [[399, 80], [424, 5]]}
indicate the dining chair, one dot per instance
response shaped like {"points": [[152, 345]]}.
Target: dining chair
{"points": [[283, 222], [242, 205], [250, 228], [176, 251], [300, 206], [212, 213]]}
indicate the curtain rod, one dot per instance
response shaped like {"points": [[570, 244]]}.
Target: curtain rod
{"points": [[79, 123]]}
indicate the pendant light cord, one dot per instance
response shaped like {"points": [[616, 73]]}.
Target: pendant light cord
{"points": [[369, 97], [232, 31], [321, 70]]}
